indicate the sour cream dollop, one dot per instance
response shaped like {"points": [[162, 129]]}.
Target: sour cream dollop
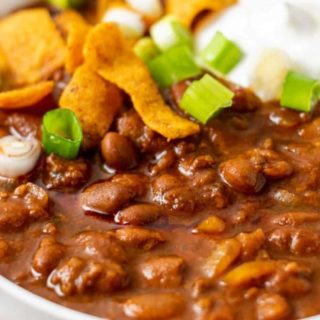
{"points": [[275, 35], [7, 6]]}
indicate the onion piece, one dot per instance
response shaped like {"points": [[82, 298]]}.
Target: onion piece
{"points": [[18, 156], [130, 22], [149, 8]]}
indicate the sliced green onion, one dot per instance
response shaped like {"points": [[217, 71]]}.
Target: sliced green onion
{"points": [[67, 4], [221, 54], [61, 133], [146, 49], [169, 32], [173, 66], [299, 92], [205, 98]]}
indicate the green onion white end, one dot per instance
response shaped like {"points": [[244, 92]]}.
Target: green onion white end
{"points": [[169, 32], [130, 22]]}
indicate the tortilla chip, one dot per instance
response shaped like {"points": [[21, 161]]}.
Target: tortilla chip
{"points": [[76, 29], [107, 52], [32, 46], [187, 11], [25, 97], [94, 101]]}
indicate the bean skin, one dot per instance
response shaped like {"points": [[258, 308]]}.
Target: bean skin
{"points": [[118, 151], [138, 214]]}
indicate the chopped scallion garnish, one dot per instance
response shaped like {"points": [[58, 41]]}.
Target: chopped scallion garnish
{"points": [[61, 133], [221, 54], [205, 98], [173, 66], [299, 92], [67, 4], [146, 49], [169, 32]]}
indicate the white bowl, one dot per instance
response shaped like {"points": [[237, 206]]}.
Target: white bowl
{"points": [[16, 303]]}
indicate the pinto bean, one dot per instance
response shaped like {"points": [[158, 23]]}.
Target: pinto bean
{"points": [[139, 237], [138, 214], [271, 306], [76, 276], [106, 197], [294, 218], [118, 151], [154, 306], [163, 272], [47, 256], [101, 245], [298, 241], [241, 174]]}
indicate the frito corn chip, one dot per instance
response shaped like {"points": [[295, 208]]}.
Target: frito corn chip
{"points": [[187, 11], [94, 101], [32, 46], [107, 52], [25, 97], [76, 29]]}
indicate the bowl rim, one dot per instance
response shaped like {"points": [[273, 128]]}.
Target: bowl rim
{"points": [[41, 304]]}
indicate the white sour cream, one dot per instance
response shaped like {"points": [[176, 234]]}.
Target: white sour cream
{"points": [[275, 36], [7, 6]]}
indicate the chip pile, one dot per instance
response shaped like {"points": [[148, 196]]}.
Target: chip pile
{"points": [[36, 48]]}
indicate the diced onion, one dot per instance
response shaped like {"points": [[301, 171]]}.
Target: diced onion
{"points": [[150, 8], [221, 54], [269, 73], [299, 92], [18, 156], [173, 66], [130, 22], [205, 98], [169, 32], [146, 49]]}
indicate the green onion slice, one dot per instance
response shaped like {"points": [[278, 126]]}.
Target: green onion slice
{"points": [[61, 133], [67, 4], [299, 92], [146, 49], [205, 98], [173, 66], [221, 54], [169, 32]]}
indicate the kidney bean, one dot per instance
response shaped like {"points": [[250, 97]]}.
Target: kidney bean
{"points": [[240, 174], [106, 197], [138, 214], [118, 151], [271, 306], [139, 237], [163, 272], [47, 256], [154, 306]]}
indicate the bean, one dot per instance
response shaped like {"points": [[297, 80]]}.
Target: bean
{"points": [[106, 197], [154, 306], [138, 214], [118, 151]]}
